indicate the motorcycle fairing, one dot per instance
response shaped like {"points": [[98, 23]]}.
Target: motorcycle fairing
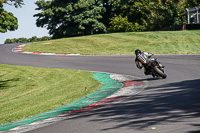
{"points": [[142, 59]]}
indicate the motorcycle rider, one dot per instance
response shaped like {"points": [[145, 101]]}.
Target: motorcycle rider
{"points": [[143, 59]]}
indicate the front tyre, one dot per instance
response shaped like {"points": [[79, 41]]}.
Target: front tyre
{"points": [[159, 72]]}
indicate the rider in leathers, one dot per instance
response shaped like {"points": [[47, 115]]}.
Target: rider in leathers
{"points": [[142, 60]]}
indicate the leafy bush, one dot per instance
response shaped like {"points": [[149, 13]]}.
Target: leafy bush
{"points": [[121, 24]]}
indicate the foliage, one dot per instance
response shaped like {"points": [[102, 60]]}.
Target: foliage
{"points": [[155, 14], [25, 40], [150, 14], [68, 18], [192, 3], [7, 20], [121, 24], [112, 8], [65, 18], [181, 12], [16, 3], [162, 14]]}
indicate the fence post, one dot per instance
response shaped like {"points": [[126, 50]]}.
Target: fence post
{"points": [[184, 26]]}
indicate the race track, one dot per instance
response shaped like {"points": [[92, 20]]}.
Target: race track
{"points": [[171, 105]]}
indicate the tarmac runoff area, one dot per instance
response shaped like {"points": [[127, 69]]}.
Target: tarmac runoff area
{"points": [[115, 88]]}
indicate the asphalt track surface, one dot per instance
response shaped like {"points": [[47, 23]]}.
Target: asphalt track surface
{"points": [[171, 105]]}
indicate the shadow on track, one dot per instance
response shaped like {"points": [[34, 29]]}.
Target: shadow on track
{"points": [[169, 103]]}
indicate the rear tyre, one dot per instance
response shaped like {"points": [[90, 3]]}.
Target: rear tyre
{"points": [[159, 72]]}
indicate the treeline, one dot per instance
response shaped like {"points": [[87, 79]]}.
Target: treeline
{"points": [[25, 40], [64, 18]]}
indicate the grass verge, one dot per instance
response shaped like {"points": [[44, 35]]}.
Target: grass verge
{"points": [[26, 91], [162, 42]]}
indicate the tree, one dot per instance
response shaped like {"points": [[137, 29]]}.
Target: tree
{"points": [[25, 40], [7, 41], [7, 20], [112, 8], [161, 14], [16, 3], [154, 14], [192, 3], [45, 38], [64, 18], [33, 39]]}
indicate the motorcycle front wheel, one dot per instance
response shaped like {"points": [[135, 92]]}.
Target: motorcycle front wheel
{"points": [[159, 72]]}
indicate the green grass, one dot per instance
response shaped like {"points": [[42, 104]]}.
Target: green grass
{"points": [[26, 91], [162, 42]]}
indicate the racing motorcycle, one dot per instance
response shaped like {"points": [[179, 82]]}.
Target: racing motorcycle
{"points": [[152, 66]]}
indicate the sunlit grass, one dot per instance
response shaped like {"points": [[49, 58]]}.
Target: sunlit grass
{"points": [[162, 42], [26, 91]]}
